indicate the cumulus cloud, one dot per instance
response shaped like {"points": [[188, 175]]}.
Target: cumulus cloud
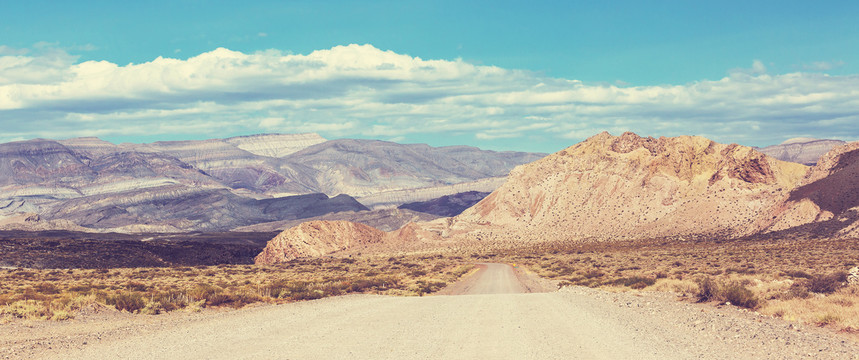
{"points": [[362, 91]]}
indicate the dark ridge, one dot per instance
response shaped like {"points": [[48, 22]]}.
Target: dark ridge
{"points": [[448, 205], [69, 249]]}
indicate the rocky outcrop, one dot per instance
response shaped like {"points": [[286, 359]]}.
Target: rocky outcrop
{"points": [[801, 150], [827, 200], [317, 238], [619, 187]]}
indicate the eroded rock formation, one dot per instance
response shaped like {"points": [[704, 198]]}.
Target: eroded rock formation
{"points": [[317, 238]]}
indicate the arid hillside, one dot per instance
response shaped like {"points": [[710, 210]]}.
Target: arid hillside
{"points": [[317, 238], [628, 186], [826, 202]]}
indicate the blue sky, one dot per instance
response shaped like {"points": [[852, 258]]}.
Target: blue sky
{"points": [[503, 75]]}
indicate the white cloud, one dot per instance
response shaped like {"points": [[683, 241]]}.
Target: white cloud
{"points": [[359, 90], [823, 65]]}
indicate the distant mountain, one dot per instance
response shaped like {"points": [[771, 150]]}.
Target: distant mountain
{"points": [[220, 184], [448, 205], [801, 150], [365, 167]]}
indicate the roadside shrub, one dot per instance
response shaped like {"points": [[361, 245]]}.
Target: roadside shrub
{"points": [[126, 301], [635, 282], [426, 287], [827, 284], [731, 291], [797, 290], [27, 309]]}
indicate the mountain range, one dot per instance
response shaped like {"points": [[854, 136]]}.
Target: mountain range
{"points": [[88, 184]]}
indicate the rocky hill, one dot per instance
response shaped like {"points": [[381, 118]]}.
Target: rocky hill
{"points": [[317, 238], [826, 202], [619, 187], [801, 150], [630, 187]]}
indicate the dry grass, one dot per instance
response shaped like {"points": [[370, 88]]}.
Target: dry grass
{"points": [[797, 279], [60, 294]]}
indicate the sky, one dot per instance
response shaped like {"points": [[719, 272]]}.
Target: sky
{"points": [[502, 75]]}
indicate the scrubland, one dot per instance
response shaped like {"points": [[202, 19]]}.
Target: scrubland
{"points": [[798, 279], [62, 294]]}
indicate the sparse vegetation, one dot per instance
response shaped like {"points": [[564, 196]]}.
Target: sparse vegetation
{"points": [[59, 295], [798, 279]]}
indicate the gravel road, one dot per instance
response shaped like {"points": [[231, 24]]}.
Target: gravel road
{"points": [[495, 318]]}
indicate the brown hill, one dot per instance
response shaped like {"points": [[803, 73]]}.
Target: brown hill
{"points": [[317, 238], [629, 186], [827, 201]]}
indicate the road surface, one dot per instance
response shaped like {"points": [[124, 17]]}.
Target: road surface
{"points": [[495, 318]]}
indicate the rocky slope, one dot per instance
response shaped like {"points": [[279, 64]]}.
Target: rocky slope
{"points": [[827, 201], [382, 219], [616, 187], [801, 150], [317, 238]]}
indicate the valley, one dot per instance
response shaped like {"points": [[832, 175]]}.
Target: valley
{"points": [[683, 221]]}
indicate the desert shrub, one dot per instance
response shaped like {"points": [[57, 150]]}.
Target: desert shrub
{"points": [[126, 301], [827, 284], [731, 291], [171, 301], [462, 270], [136, 286], [798, 274], [418, 272], [593, 273], [27, 309], [797, 290], [827, 319], [204, 292], [426, 287], [635, 282], [46, 288]]}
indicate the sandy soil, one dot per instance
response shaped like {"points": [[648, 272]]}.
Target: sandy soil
{"points": [[495, 318]]}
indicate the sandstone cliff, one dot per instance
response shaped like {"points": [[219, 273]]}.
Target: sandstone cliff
{"points": [[617, 187]]}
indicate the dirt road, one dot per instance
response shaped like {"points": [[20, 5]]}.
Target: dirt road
{"points": [[495, 319]]}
